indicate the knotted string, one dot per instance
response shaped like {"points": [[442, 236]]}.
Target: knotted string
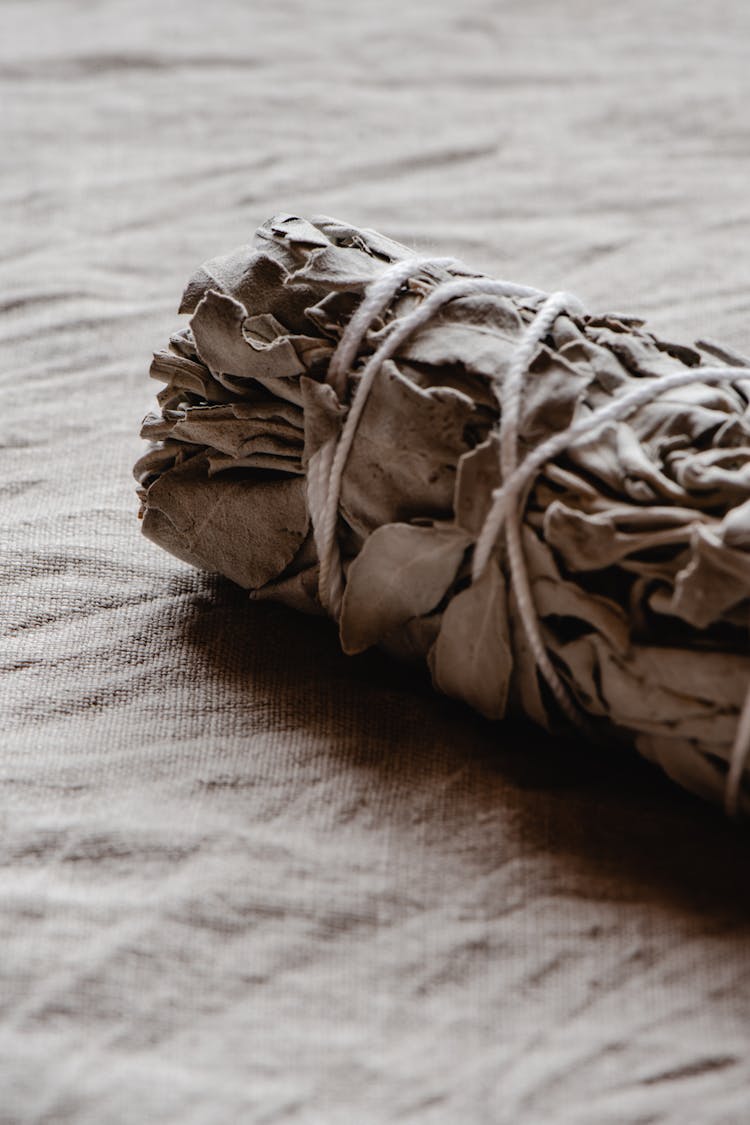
{"points": [[505, 514]]}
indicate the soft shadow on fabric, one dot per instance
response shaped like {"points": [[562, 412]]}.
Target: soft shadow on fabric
{"points": [[603, 815]]}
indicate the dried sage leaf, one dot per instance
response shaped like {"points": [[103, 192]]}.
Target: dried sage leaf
{"points": [[205, 520], [635, 540], [402, 572], [472, 658]]}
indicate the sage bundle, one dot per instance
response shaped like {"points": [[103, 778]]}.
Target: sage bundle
{"points": [[549, 507]]}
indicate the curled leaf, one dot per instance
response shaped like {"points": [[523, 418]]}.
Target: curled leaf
{"points": [[472, 657], [402, 571]]}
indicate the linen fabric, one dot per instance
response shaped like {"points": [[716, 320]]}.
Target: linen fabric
{"points": [[244, 877]]}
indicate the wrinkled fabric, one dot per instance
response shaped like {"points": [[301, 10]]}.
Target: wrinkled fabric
{"points": [[245, 878], [622, 534]]}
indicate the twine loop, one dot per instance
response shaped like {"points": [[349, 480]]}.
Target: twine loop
{"points": [[505, 515]]}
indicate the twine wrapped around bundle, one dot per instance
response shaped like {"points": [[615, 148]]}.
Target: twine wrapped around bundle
{"points": [[551, 508]]}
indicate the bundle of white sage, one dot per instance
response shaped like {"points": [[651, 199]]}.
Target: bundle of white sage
{"points": [[551, 508]]}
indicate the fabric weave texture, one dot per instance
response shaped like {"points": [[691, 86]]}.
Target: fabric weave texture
{"points": [[246, 878]]}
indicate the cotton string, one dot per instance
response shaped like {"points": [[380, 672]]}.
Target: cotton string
{"points": [[324, 502], [375, 301], [324, 516], [505, 512], [510, 392]]}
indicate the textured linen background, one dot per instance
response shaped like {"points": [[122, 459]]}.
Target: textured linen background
{"points": [[243, 877]]}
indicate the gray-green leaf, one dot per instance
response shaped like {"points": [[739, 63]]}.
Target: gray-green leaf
{"points": [[472, 658], [402, 571]]}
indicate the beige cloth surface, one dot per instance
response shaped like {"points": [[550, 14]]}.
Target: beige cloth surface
{"points": [[244, 878]]}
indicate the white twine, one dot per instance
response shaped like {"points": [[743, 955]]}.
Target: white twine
{"points": [[737, 760], [326, 467], [505, 514], [325, 503], [375, 301], [511, 389]]}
